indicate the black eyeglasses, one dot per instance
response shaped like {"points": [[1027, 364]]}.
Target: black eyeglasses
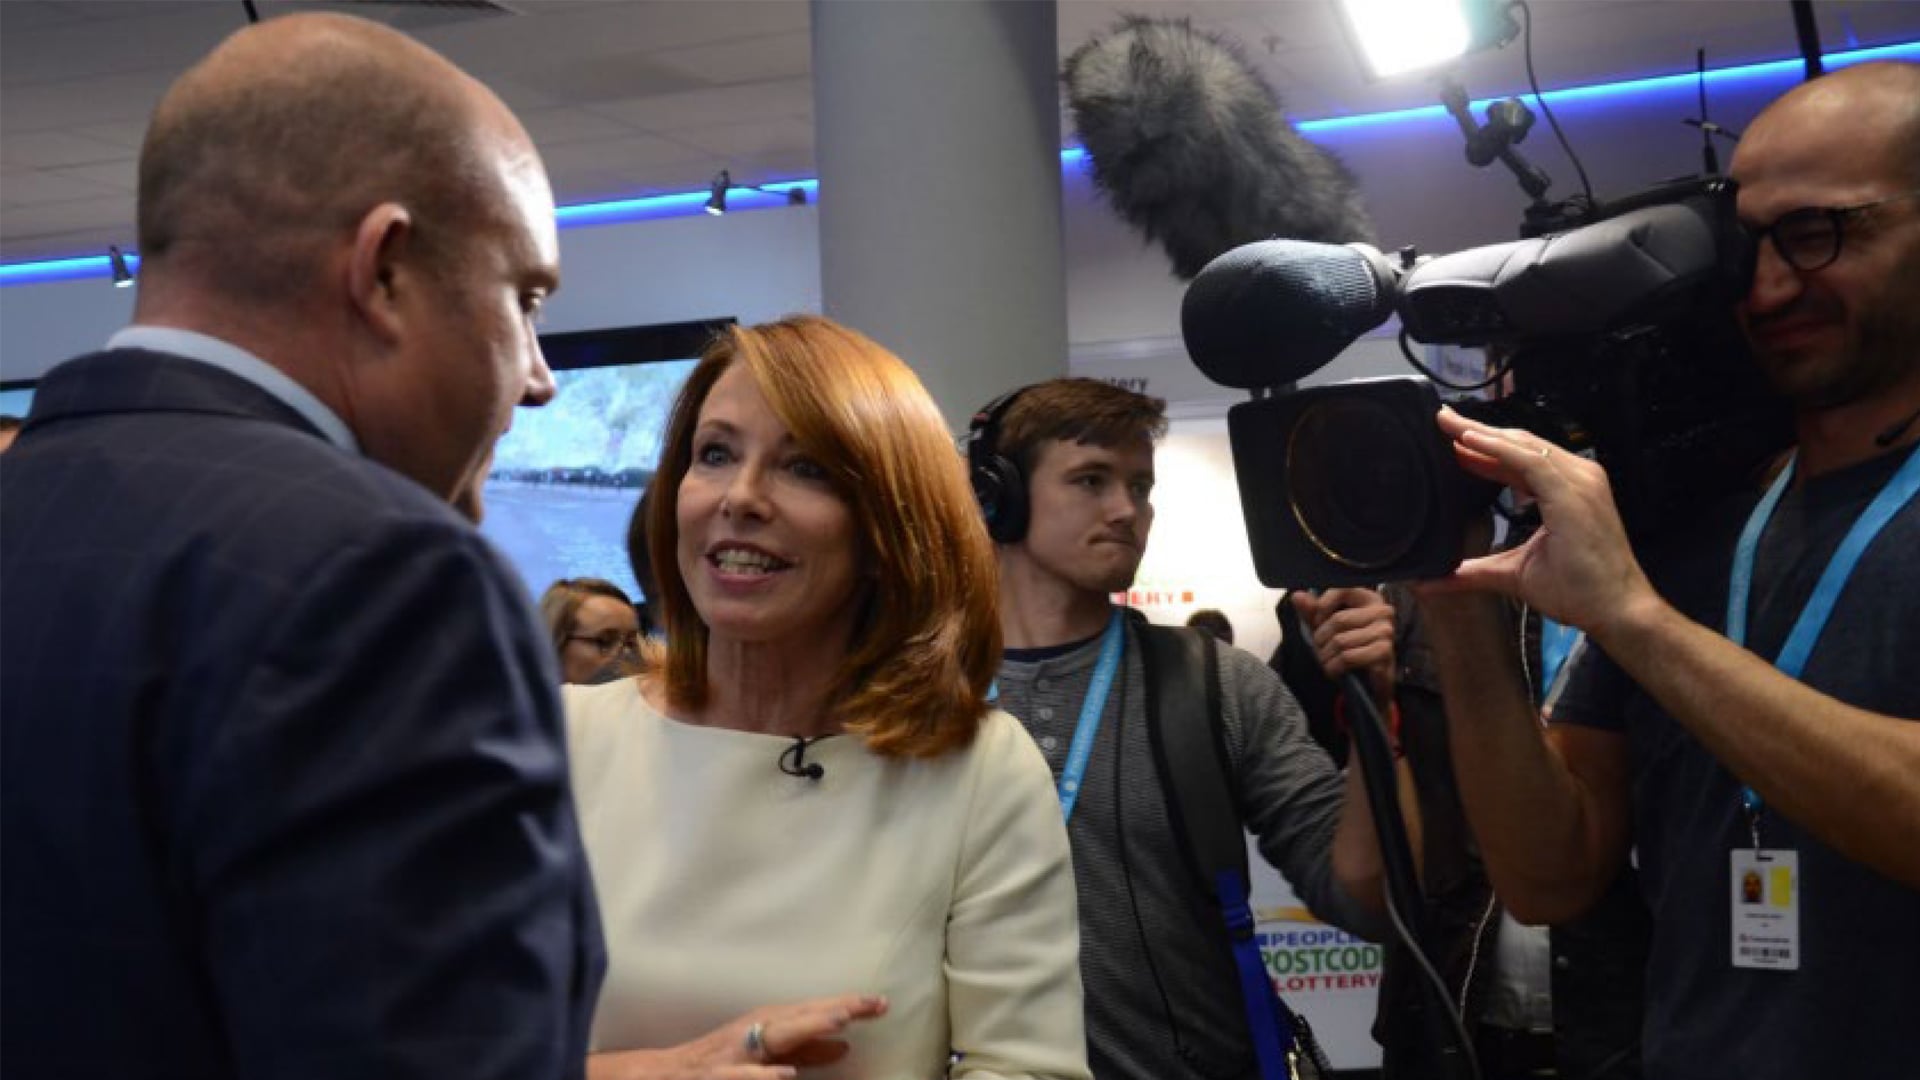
{"points": [[1809, 238], [608, 642]]}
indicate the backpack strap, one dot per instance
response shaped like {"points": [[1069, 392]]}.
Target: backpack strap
{"points": [[1181, 668]]}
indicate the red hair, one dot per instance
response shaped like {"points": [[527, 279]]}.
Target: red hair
{"points": [[927, 642]]}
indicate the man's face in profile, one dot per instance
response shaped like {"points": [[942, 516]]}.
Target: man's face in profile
{"points": [[469, 498], [478, 355]]}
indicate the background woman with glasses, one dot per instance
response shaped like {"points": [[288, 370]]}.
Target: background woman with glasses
{"points": [[596, 631]]}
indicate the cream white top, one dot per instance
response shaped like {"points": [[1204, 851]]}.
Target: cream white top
{"points": [[726, 884]]}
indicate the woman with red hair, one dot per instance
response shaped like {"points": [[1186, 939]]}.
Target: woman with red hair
{"points": [[813, 841]]}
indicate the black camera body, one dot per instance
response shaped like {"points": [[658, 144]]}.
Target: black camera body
{"points": [[1619, 341], [1349, 484]]}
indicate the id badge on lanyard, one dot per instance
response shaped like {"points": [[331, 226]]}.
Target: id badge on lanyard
{"points": [[1765, 883], [1766, 909]]}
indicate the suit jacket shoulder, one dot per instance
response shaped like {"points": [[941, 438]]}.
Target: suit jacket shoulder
{"points": [[284, 785]]}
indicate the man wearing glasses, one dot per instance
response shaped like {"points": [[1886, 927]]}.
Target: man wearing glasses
{"points": [[1745, 720]]}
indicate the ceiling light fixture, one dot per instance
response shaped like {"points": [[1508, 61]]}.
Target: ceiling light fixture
{"points": [[796, 195], [717, 202], [122, 277], [1394, 37]]}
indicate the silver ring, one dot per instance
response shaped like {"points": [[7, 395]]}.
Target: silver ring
{"points": [[757, 1041]]}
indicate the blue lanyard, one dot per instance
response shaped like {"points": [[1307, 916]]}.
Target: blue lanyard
{"points": [[1556, 644], [1897, 492], [1091, 708]]}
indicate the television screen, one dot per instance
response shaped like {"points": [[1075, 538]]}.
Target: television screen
{"points": [[566, 477], [15, 399]]}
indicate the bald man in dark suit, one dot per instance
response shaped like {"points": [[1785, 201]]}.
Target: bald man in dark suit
{"points": [[283, 782]]}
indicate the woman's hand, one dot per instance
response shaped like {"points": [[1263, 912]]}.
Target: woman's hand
{"points": [[769, 1043]]}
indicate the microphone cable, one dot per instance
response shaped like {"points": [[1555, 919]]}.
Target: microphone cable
{"points": [[1527, 48], [793, 760], [1500, 369], [1370, 715]]}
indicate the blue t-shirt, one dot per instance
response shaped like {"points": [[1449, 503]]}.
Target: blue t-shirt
{"points": [[1848, 1010]]}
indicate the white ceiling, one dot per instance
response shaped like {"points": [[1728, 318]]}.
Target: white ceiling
{"points": [[629, 98]]}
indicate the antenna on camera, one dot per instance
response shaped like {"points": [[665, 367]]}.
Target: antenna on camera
{"points": [[1709, 156]]}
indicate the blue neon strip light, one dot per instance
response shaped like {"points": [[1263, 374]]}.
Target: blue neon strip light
{"points": [[680, 204], [683, 204], [1628, 88], [89, 266]]}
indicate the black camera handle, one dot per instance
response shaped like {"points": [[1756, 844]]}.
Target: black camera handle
{"points": [[1450, 1046], [1508, 122]]}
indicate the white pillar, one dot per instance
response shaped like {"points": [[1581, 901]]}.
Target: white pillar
{"points": [[938, 142]]}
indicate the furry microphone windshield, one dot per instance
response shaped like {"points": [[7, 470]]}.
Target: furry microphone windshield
{"points": [[1189, 144]]}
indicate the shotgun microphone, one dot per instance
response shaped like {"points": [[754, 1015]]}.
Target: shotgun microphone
{"points": [[1190, 145]]}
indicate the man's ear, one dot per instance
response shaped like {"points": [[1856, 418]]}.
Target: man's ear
{"points": [[374, 268]]}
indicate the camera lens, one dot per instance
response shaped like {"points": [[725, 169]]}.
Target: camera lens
{"points": [[1356, 481]]}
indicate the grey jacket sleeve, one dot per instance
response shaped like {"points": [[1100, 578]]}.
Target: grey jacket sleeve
{"points": [[1289, 792]]}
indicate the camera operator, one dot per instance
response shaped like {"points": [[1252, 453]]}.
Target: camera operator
{"points": [[1771, 797]]}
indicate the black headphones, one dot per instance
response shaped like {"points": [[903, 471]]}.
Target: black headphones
{"points": [[998, 484]]}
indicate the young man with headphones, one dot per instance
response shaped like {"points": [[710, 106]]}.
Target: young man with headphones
{"points": [[1064, 471]]}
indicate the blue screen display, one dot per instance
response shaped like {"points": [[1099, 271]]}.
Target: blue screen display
{"points": [[15, 403], [566, 477]]}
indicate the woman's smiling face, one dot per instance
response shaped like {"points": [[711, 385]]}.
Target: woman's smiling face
{"points": [[767, 545]]}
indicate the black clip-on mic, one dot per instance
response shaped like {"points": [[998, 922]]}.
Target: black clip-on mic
{"points": [[800, 768]]}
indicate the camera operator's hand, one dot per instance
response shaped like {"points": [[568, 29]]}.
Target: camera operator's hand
{"points": [[1577, 568]]}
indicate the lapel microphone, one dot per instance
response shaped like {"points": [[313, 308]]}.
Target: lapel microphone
{"points": [[793, 760]]}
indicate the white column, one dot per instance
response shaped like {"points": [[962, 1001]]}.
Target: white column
{"points": [[938, 143]]}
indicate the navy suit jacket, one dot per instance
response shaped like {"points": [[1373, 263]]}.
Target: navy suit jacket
{"points": [[283, 787]]}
